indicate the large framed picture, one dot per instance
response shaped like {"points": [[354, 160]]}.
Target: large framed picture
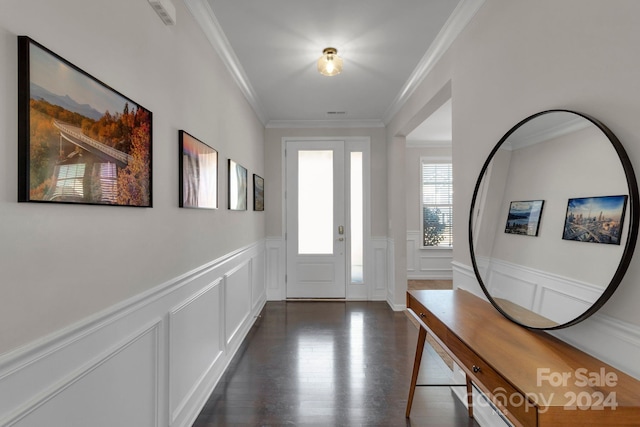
{"points": [[595, 219], [524, 217], [237, 187], [79, 141], [198, 173], [258, 193]]}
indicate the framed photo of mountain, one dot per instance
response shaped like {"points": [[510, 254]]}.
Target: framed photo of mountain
{"points": [[79, 140]]}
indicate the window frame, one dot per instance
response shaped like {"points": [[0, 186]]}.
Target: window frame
{"points": [[433, 160]]}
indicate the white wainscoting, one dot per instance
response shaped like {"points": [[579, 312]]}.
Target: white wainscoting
{"points": [[427, 264], [609, 339], [150, 361], [376, 271], [379, 268], [547, 294]]}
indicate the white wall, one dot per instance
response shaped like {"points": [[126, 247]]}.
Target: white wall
{"points": [[422, 263], [88, 291], [581, 164], [518, 58], [62, 263]]}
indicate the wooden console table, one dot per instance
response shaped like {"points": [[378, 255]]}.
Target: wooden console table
{"points": [[534, 378]]}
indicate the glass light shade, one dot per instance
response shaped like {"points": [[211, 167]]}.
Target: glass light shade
{"points": [[330, 64]]}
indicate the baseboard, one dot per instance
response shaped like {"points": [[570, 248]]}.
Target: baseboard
{"points": [[152, 360]]}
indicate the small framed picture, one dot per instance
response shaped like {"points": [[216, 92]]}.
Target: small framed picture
{"points": [[595, 219], [237, 187], [524, 217], [258, 193], [198, 173]]}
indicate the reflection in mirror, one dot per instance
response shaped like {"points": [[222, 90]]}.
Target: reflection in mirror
{"points": [[544, 281]]}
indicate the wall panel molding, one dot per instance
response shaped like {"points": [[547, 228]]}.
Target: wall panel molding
{"points": [[376, 273], [427, 264], [612, 340], [156, 357]]}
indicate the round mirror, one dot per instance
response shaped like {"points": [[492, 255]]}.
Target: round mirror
{"points": [[553, 220]]}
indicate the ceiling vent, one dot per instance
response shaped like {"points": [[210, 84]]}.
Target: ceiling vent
{"points": [[165, 10], [336, 114]]}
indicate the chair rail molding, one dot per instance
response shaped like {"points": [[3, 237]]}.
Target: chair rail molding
{"points": [[609, 339], [155, 357]]}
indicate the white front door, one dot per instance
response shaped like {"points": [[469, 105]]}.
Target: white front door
{"points": [[316, 212]]}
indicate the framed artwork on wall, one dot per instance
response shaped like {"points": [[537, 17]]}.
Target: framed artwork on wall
{"points": [[237, 183], [524, 217], [595, 219], [79, 140], [198, 173], [258, 193]]}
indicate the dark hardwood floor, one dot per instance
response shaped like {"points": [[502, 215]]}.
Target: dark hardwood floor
{"points": [[331, 364]]}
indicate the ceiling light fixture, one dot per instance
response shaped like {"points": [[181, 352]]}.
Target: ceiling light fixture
{"points": [[330, 64]]}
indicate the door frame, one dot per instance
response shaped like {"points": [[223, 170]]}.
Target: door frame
{"points": [[362, 291]]}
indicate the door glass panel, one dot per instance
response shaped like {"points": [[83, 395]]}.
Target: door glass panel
{"points": [[357, 218], [315, 202]]}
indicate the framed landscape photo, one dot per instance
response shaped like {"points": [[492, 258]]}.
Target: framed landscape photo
{"points": [[198, 173], [595, 219], [79, 141], [237, 187], [258, 193], [524, 217]]}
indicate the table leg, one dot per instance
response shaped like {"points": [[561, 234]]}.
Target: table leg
{"points": [[469, 397], [422, 336]]}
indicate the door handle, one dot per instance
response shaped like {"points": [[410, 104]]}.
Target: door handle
{"points": [[341, 239], [340, 229]]}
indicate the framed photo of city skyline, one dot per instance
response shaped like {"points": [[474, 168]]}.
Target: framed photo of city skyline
{"points": [[524, 217], [79, 140], [595, 219]]}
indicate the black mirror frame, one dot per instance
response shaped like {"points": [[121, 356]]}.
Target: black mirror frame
{"points": [[634, 216]]}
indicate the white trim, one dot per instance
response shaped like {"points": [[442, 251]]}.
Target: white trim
{"points": [[20, 357], [204, 16], [177, 409], [46, 395], [275, 268], [324, 124], [609, 339], [41, 371], [458, 20], [379, 269], [431, 160], [351, 144], [427, 263]]}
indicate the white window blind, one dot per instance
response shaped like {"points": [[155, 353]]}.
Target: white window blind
{"points": [[437, 204]]}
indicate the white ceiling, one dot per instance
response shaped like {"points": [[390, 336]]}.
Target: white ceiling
{"points": [[436, 130], [271, 48]]}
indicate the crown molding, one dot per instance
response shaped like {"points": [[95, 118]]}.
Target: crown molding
{"points": [[458, 20], [336, 124], [202, 13]]}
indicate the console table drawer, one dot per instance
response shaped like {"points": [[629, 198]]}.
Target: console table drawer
{"points": [[510, 401]]}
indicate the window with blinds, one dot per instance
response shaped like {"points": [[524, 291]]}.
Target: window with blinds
{"points": [[437, 204]]}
